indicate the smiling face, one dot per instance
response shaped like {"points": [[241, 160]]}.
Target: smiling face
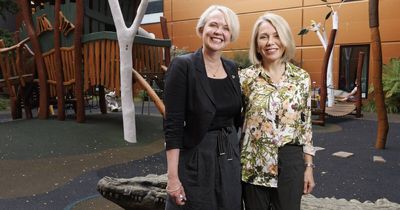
{"points": [[269, 45], [215, 33]]}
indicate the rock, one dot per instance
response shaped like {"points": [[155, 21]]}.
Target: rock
{"points": [[342, 154], [379, 159]]}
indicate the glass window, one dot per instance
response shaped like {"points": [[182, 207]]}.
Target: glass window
{"points": [[348, 68], [153, 12]]}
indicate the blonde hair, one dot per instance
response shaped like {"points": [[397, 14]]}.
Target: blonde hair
{"points": [[285, 35], [230, 17]]}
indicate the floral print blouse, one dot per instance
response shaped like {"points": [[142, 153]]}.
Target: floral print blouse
{"points": [[275, 114]]}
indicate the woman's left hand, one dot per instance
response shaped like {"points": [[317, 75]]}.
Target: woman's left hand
{"points": [[309, 183]]}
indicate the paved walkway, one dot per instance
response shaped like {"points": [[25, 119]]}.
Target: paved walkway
{"points": [[50, 164]]}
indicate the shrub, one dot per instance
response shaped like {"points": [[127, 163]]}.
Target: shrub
{"points": [[175, 51], [242, 59], [391, 87], [6, 36], [4, 103]]}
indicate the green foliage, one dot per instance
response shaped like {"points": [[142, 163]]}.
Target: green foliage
{"points": [[391, 87], [8, 6], [6, 36], [328, 15], [143, 95], [175, 51], [4, 103], [303, 31], [242, 59]]}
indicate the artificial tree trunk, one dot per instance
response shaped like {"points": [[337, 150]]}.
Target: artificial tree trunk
{"points": [[44, 91], [125, 41], [324, 41], [383, 125], [80, 106], [57, 59]]}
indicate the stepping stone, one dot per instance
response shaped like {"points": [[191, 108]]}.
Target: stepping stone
{"points": [[379, 159], [343, 154]]}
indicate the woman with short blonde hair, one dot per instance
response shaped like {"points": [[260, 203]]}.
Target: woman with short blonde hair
{"points": [[202, 113], [230, 17]]}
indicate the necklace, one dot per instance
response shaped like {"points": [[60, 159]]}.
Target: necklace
{"points": [[214, 74]]}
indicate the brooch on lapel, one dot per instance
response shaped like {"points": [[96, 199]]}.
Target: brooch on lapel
{"points": [[233, 77]]}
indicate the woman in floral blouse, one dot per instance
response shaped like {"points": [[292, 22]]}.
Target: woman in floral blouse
{"points": [[277, 150]]}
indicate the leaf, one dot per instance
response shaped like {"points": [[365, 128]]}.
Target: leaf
{"points": [[303, 32], [328, 15]]}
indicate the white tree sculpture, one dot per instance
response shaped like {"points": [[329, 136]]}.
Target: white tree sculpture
{"points": [[321, 34], [125, 41]]}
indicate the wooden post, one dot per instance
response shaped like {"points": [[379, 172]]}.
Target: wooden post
{"points": [[164, 29], [58, 66], [360, 63], [80, 103], [44, 90], [383, 124], [324, 70]]}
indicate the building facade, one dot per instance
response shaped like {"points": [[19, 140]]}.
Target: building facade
{"points": [[353, 34]]}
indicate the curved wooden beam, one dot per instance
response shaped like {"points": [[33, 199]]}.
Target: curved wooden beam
{"points": [[152, 94], [44, 91], [324, 71], [376, 50]]}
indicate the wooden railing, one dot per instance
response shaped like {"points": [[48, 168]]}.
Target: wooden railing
{"points": [[17, 67], [101, 59]]}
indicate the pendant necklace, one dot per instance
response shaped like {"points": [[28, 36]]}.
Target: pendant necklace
{"points": [[214, 74]]}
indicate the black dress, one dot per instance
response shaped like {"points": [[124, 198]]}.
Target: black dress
{"points": [[210, 172]]}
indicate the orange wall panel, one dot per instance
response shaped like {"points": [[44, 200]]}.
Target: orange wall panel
{"points": [[154, 28], [319, 2], [312, 63], [353, 23], [192, 9], [353, 26], [185, 35], [167, 10], [389, 20], [184, 31], [390, 50]]}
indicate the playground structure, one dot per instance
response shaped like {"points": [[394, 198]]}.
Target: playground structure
{"points": [[17, 65], [338, 109], [80, 31]]}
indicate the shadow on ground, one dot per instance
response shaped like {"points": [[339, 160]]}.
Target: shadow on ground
{"points": [[51, 164]]}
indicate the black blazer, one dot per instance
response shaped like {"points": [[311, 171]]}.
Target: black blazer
{"points": [[189, 102]]}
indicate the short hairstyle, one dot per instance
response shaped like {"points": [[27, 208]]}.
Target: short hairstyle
{"points": [[230, 17], [285, 35]]}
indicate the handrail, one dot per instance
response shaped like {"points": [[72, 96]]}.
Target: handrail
{"points": [[14, 46], [110, 35]]}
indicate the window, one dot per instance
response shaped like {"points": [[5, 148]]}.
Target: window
{"points": [[153, 12], [348, 68]]}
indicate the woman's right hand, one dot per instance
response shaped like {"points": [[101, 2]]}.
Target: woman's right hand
{"points": [[175, 191]]}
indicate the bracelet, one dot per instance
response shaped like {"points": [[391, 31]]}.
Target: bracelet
{"points": [[174, 190], [309, 165]]}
